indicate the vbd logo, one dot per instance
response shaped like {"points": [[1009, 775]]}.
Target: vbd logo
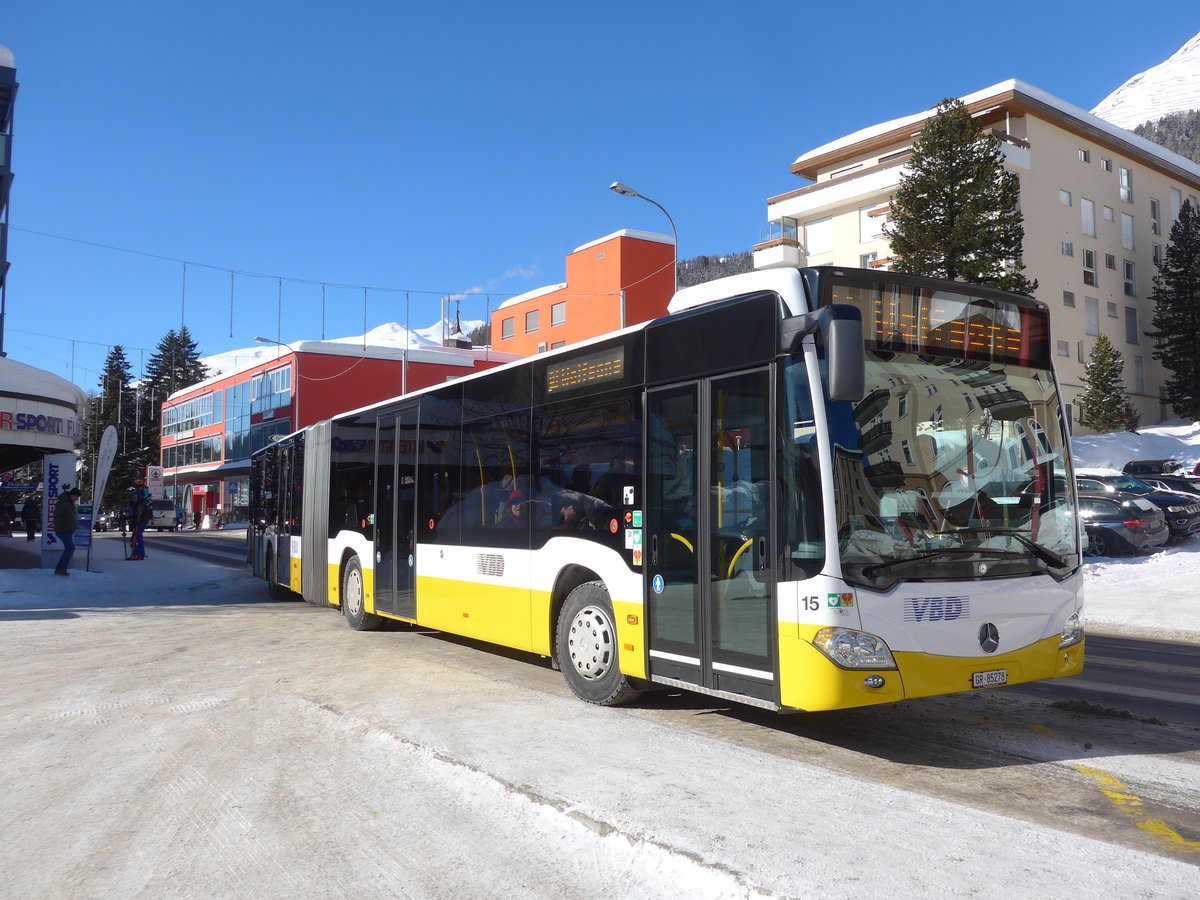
{"points": [[936, 609]]}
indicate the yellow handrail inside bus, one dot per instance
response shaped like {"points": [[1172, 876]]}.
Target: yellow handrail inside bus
{"points": [[736, 556], [684, 541]]}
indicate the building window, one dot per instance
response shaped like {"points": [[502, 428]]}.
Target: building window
{"points": [[902, 406], [789, 229], [907, 451], [818, 236], [1087, 214], [870, 227], [1085, 155], [1130, 279], [558, 344], [1139, 375], [1079, 350], [1111, 309], [1110, 261], [968, 403], [1062, 348], [1091, 316], [506, 329], [531, 321], [1069, 299], [1068, 249], [1176, 203], [1155, 225], [1108, 214], [1125, 176], [1131, 326], [1127, 231], [558, 314], [1105, 164], [1157, 254], [1064, 197], [864, 261], [1089, 267]]}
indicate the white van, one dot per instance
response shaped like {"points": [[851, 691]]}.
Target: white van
{"points": [[163, 515]]}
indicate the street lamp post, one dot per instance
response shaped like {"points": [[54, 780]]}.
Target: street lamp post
{"points": [[626, 191]]}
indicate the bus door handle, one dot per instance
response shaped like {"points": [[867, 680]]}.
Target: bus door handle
{"points": [[654, 550], [760, 551]]}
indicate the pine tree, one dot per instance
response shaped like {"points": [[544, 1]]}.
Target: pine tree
{"points": [[955, 213], [1104, 403], [116, 404], [174, 365], [1176, 325]]}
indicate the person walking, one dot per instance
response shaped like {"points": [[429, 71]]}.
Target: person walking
{"points": [[31, 515], [64, 529], [197, 517]]}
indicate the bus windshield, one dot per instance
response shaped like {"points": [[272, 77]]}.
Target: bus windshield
{"points": [[954, 463]]}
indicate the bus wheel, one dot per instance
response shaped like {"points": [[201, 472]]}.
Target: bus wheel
{"points": [[274, 591], [353, 598], [586, 647]]}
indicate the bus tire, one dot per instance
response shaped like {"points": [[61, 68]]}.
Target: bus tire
{"points": [[354, 606], [274, 591], [586, 646]]}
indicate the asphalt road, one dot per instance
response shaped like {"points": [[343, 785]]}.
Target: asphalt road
{"points": [[229, 742]]}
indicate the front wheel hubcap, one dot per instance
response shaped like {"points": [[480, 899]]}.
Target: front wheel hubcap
{"points": [[353, 593], [591, 643]]}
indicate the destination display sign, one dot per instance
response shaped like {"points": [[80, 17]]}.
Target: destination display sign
{"points": [[584, 371]]}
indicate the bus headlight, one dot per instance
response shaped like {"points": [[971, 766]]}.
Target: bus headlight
{"points": [[854, 649], [1072, 632]]}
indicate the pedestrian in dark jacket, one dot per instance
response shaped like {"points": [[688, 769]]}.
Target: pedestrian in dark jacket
{"points": [[31, 514], [64, 529]]}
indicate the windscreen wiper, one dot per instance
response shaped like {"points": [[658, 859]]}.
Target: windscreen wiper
{"points": [[872, 570], [1048, 556]]}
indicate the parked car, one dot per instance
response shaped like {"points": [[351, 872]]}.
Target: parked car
{"points": [[1182, 510], [163, 516], [1117, 523], [1154, 467], [1183, 484], [102, 522]]}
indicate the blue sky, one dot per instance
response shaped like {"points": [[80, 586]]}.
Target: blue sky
{"points": [[446, 149]]}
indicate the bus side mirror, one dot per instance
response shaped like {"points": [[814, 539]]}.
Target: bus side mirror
{"points": [[842, 331]]}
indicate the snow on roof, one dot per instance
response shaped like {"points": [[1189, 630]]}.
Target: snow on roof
{"points": [[236, 361], [1062, 106], [19, 378], [529, 295], [629, 233]]}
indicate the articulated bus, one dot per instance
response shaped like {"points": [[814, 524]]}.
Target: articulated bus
{"points": [[801, 489]]}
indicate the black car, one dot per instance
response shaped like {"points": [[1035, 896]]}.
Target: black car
{"points": [[1154, 467], [1118, 523], [1182, 510], [1183, 484]]}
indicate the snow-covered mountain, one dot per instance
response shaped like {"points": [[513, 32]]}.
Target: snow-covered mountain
{"points": [[1171, 86]]}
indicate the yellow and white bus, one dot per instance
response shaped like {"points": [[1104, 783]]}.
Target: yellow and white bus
{"points": [[802, 489]]}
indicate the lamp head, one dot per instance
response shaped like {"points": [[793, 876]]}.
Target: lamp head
{"points": [[623, 189]]}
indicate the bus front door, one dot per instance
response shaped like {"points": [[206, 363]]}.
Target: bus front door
{"points": [[395, 471], [710, 571]]}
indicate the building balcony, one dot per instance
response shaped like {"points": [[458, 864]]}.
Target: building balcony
{"points": [[887, 474], [876, 439], [778, 253], [1006, 405], [871, 405]]}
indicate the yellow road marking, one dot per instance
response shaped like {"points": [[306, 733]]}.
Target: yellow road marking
{"points": [[1130, 804]]}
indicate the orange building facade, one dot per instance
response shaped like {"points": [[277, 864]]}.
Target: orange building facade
{"points": [[618, 280], [210, 429]]}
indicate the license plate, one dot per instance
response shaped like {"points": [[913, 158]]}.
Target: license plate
{"points": [[989, 679]]}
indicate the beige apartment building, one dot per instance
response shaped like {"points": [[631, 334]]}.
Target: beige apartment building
{"points": [[1098, 203]]}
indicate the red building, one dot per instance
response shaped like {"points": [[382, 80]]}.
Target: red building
{"points": [[210, 429]]}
